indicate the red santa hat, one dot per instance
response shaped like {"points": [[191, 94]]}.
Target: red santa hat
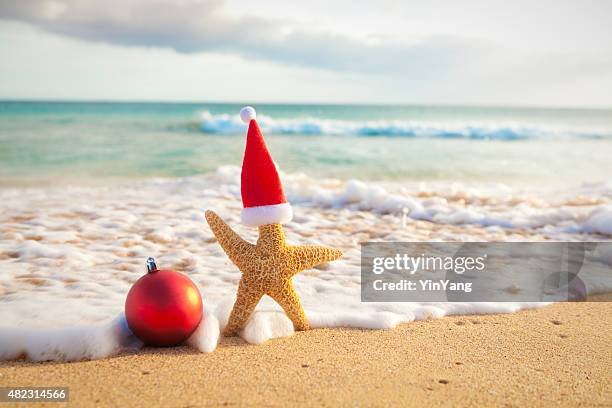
{"points": [[262, 192]]}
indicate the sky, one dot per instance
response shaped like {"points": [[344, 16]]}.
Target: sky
{"points": [[474, 52]]}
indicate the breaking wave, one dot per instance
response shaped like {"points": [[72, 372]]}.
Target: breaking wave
{"points": [[231, 124]]}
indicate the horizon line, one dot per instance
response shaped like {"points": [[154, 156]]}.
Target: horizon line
{"points": [[305, 103]]}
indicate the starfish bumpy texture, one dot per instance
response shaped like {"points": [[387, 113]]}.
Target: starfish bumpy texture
{"points": [[267, 268]]}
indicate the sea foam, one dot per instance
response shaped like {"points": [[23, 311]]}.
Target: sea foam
{"points": [[70, 255]]}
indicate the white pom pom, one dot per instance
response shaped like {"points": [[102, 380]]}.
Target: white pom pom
{"points": [[247, 113]]}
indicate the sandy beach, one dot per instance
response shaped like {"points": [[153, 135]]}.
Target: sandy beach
{"points": [[555, 356]]}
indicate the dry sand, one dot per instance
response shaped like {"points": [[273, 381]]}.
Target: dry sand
{"points": [[560, 355]]}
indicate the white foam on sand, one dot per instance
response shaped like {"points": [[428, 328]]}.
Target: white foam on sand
{"points": [[90, 342], [599, 221], [68, 256], [68, 344]]}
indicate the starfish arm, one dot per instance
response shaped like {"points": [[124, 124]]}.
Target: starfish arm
{"points": [[246, 301], [288, 299], [236, 248], [309, 256]]}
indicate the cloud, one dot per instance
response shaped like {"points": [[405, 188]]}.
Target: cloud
{"points": [[201, 26], [297, 62]]}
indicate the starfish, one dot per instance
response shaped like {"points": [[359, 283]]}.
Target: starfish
{"points": [[267, 268]]}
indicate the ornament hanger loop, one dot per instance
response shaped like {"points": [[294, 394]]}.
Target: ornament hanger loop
{"points": [[151, 266]]}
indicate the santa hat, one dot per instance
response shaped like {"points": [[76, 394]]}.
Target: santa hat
{"points": [[262, 192]]}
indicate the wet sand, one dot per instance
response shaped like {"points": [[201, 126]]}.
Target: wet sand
{"points": [[559, 355]]}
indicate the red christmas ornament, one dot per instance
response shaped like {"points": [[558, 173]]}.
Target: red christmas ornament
{"points": [[163, 308]]}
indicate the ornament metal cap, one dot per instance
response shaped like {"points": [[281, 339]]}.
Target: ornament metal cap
{"points": [[151, 266]]}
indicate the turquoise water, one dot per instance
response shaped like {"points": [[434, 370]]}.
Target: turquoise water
{"points": [[43, 143]]}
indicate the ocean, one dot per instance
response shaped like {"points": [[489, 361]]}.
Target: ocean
{"points": [[88, 191], [57, 143]]}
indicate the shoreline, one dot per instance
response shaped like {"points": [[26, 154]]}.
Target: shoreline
{"points": [[81, 249], [553, 356]]}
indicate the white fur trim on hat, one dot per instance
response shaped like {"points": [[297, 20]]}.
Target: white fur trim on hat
{"points": [[266, 214]]}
